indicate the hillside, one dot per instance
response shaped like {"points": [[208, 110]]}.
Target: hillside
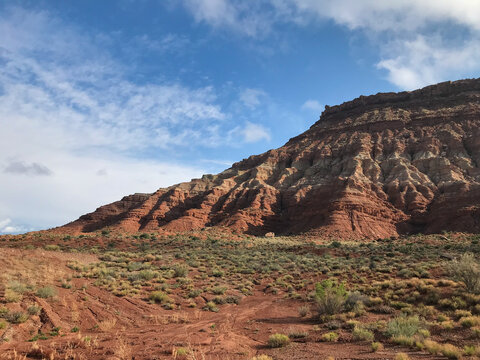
{"points": [[377, 166]]}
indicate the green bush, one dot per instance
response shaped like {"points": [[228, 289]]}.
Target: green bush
{"points": [[330, 337], [46, 292], [330, 297], [16, 317], [159, 297], [360, 333], [467, 270], [180, 271], [278, 340], [403, 326]]}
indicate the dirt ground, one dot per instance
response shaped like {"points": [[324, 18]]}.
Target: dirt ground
{"points": [[87, 322]]}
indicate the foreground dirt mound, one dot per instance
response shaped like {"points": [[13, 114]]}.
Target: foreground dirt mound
{"points": [[377, 166]]}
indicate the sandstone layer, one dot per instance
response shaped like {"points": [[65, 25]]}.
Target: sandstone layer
{"points": [[377, 166]]}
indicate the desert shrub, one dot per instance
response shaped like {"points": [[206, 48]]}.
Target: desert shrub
{"points": [[210, 306], [303, 310], [467, 270], [297, 334], [219, 290], [180, 271], [16, 317], [377, 346], [11, 296], [470, 321], [363, 334], [194, 293], [330, 297], [451, 351], [3, 324], [403, 326], [18, 287], [330, 337], [278, 340], [448, 350], [401, 356], [403, 340], [354, 299], [470, 350], [46, 292], [34, 310], [476, 331], [261, 357], [52, 247], [159, 297]]}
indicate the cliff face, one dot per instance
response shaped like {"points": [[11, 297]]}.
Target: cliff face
{"points": [[376, 166]]}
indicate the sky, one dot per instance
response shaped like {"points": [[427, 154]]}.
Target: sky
{"points": [[101, 99]]}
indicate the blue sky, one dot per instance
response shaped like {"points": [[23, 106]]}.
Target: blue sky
{"points": [[100, 99]]}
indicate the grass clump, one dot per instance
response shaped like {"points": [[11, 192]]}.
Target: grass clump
{"points": [[448, 350], [403, 326], [377, 346], [470, 321], [278, 340], [46, 292], [362, 334], [16, 317], [159, 297], [401, 356], [330, 337], [34, 310]]}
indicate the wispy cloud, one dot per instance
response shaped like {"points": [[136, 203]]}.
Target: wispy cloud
{"points": [[7, 227], [412, 37], [23, 168], [313, 105], [71, 111], [250, 132], [252, 98]]}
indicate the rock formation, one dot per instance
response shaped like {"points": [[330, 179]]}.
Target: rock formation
{"points": [[377, 166]]}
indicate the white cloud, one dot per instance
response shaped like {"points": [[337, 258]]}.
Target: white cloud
{"points": [[250, 133], [412, 36], [245, 17], [6, 227], [427, 60], [68, 110], [313, 105], [251, 98]]}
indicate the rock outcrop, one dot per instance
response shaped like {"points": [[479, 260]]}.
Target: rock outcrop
{"points": [[377, 166]]}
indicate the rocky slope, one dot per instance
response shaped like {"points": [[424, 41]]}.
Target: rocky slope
{"points": [[377, 166]]}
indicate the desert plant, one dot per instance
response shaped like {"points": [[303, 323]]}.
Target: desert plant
{"points": [[363, 334], [34, 310], [406, 326], [401, 356], [159, 297], [16, 317], [467, 270], [303, 310], [330, 297], [278, 340], [330, 337], [470, 321], [377, 346], [46, 292], [180, 271]]}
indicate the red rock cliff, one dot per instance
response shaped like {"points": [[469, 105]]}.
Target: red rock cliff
{"points": [[376, 166]]}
